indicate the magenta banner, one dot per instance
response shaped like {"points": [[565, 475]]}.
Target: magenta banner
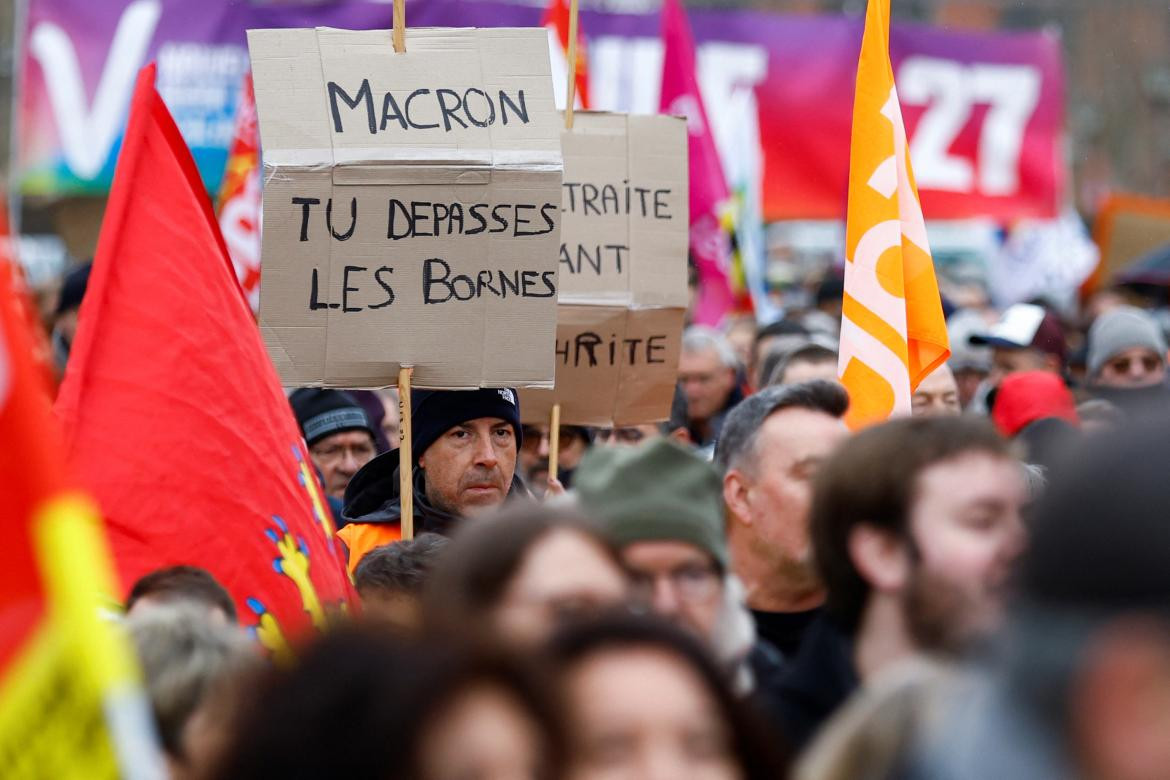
{"points": [[984, 111]]}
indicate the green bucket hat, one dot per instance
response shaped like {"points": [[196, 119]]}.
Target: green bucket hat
{"points": [[657, 491]]}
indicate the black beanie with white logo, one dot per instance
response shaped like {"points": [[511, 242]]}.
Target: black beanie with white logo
{"points": [[434, 412]]}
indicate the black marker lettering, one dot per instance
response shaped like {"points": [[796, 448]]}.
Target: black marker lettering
{"points": [[363, 93], [304, 203], [346, 289], [352, 219], [448, 112]]}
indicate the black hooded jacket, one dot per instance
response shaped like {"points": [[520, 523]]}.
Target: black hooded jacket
{"points": [[373, 497]]}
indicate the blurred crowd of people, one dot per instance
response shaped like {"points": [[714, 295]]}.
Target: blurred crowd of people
{"points": [[746, 590]]}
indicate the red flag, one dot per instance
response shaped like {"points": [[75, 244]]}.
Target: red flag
{"points": [[239, 202], [709, 196], [30, 469], [70, 703], [174, 415], [556, 19]]}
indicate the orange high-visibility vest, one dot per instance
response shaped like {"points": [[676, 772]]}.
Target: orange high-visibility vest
{"points": [[360, 538]]}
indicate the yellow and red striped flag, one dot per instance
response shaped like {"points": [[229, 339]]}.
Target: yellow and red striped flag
{"points": [[892, 328]]}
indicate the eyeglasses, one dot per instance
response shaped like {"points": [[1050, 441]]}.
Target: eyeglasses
{"points": [[336, 452], [692, 583]]}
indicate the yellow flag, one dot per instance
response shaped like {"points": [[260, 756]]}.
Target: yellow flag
{"points": [[892, 328]]}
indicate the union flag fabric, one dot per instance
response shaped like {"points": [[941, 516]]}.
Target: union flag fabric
{"points": [[892, 328]]}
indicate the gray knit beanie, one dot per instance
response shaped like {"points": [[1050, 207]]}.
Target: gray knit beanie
{"points": [[1120, 329]]}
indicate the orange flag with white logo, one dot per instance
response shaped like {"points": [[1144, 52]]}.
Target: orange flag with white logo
{"points": [[892, 328]]}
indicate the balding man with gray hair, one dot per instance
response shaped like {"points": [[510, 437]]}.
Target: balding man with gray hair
{"points": [[707, 370], [768, 453]]}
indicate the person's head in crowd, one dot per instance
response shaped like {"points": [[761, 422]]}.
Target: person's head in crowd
{"points": [[937, 394], [65, 313], [773, 339], [1026, 338], [804, 364], [1028, 396], [970, 363], [182, 583], [916, 525], [740, 333], [490, 716], [184, 654], [772, 444], [675, 427], [391, 416], [706, 371], [1126, 348], [829, 295], [362, 704], [1098, 415], [465, 445], [390, 580], [520, 574], [338, 432], [573, 441], [645, 700], [662, 506], [1081, 684]]}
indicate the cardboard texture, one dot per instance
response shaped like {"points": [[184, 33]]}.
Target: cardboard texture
{"points": [[411, 206], [623, 271]]}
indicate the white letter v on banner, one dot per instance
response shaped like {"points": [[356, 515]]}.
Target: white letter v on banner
{"points": [[88, 135]]}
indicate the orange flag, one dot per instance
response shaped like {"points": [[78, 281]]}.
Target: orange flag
{"points": [[892, 329]]}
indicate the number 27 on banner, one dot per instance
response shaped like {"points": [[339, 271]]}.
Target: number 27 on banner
{"points": [[950, 92]]}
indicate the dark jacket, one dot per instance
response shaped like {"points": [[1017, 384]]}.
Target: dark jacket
{"points": [[814, 683], [372, 497]]}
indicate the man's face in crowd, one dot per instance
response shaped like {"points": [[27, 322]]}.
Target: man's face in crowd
{"points": [[535, 450], [808, 370], [937, 395], [1013, 361], [339, 457], [629, 436], [706, 382], [968, 381], [469, 468], [679, 581], [773, 493], [1133, 367], [967, 533]]}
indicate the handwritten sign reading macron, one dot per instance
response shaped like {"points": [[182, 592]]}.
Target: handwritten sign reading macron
{"points": [[623, 271], [412, 206]]}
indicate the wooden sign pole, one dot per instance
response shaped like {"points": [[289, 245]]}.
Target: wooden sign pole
{"points": [[405, 456], [571, 92], [554, 428], [554, 441], [400, 26]]}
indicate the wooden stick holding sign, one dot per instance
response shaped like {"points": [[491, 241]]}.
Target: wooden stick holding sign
{"points": [[400, 26], [405, 456], [571, 92], [554, 429], [554, 442]]}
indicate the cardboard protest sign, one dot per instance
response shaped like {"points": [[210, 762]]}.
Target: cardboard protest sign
{"points": [[411, 206], [623, 271], [615, 366]]}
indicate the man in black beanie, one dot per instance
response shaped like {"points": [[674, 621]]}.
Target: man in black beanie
{"points": [[338, 432], [464, 444]]}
